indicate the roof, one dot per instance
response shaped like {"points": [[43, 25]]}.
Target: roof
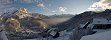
{"points": [[101, 21], [99, 36]]}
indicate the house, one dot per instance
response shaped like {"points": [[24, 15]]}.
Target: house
{"points": [[101, 21], [98, 23], [102, 27], [98, 36]]}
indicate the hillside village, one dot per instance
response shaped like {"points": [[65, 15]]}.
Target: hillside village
{"points": [[23, 25]]}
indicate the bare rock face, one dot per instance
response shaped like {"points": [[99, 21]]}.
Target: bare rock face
{"points": [[39, 23], [22, 13], [20, 23], [12, 25]]}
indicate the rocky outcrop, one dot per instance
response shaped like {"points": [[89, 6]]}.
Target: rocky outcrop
{"points": [[12, 25], [22, 13]]}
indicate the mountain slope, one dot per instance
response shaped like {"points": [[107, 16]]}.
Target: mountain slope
{"points": [[82, 18]]}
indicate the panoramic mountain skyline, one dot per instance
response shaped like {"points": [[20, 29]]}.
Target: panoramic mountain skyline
{"points": [[50, 7]]}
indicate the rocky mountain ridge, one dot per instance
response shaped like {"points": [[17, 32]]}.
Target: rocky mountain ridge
{"points": [[83, 18]]}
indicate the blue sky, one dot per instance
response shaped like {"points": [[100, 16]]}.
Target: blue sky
{"points": [[49, 7]]}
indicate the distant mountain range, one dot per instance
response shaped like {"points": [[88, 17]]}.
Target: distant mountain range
{"points": [[56, 19], [51, 20], [53, 24], [68, 21], [83, 18]]}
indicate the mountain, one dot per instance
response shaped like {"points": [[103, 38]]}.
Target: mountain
{"points": [[61, 16], [82, 18], [29, 23], [56, 19], [66, 24]]}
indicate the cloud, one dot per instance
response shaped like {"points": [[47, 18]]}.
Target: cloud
{"points": [[9, 4], [29, 1], [53, 11], [101, 5], [40, 5], [62, 9], [5, 4]]}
